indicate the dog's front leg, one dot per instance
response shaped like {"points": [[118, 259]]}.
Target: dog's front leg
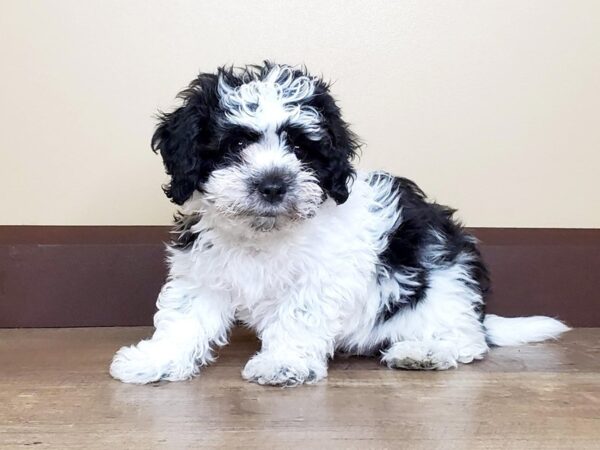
{"points": [[188, 323], [296, 344]]}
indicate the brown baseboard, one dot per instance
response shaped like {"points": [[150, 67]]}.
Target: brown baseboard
{"points": [[110, 275]]}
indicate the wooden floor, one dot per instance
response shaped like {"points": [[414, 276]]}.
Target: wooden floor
{"points": [[55, 392]]}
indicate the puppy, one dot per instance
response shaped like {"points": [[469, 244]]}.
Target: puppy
{"points": [[278, 231]]}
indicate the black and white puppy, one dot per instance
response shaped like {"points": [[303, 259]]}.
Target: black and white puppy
{"points": [[279, 232]]}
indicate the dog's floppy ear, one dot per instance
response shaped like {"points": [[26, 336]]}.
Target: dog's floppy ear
{"points": [[182, 135], [338, 173]]}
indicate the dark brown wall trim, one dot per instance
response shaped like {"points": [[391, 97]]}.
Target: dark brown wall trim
{"points": [[65, 276]]}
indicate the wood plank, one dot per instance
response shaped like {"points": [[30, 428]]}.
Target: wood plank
{"points": [[55, 392]]}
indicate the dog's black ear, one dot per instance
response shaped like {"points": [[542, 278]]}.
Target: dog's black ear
{"points": [[182, 135], [342, 146]]}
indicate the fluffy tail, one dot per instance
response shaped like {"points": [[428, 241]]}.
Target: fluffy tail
{"points": [[503, 331]]}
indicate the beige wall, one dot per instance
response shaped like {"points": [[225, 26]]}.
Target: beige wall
{"points": [[492, 106]]}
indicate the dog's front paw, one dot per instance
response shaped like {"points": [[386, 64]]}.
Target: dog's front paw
{"points": [[131, 365], [146, 363], [268, 369]]}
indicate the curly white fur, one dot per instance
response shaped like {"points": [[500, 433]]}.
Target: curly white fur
{"points": [[307, 289]]}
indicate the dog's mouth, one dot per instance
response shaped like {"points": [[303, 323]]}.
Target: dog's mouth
{"points": [[253, 208], [273, 218], [266, 212], [262, 216]]}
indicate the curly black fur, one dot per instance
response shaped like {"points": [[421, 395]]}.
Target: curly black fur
{"points": [[426, 238], [182, 137], [184, 237]]}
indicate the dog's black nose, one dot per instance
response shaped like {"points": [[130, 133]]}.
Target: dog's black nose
{"points": [[272, 188]]}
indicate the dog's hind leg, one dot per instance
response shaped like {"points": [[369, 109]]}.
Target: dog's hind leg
{"points": [[432, 354], [188, 324], [442, 330]]}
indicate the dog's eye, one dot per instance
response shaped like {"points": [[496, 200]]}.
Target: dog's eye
{"points": [[239, 144], [290, 140], [296, 147]]}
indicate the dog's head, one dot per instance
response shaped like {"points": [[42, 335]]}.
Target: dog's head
{"points": [[262, 144]]}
